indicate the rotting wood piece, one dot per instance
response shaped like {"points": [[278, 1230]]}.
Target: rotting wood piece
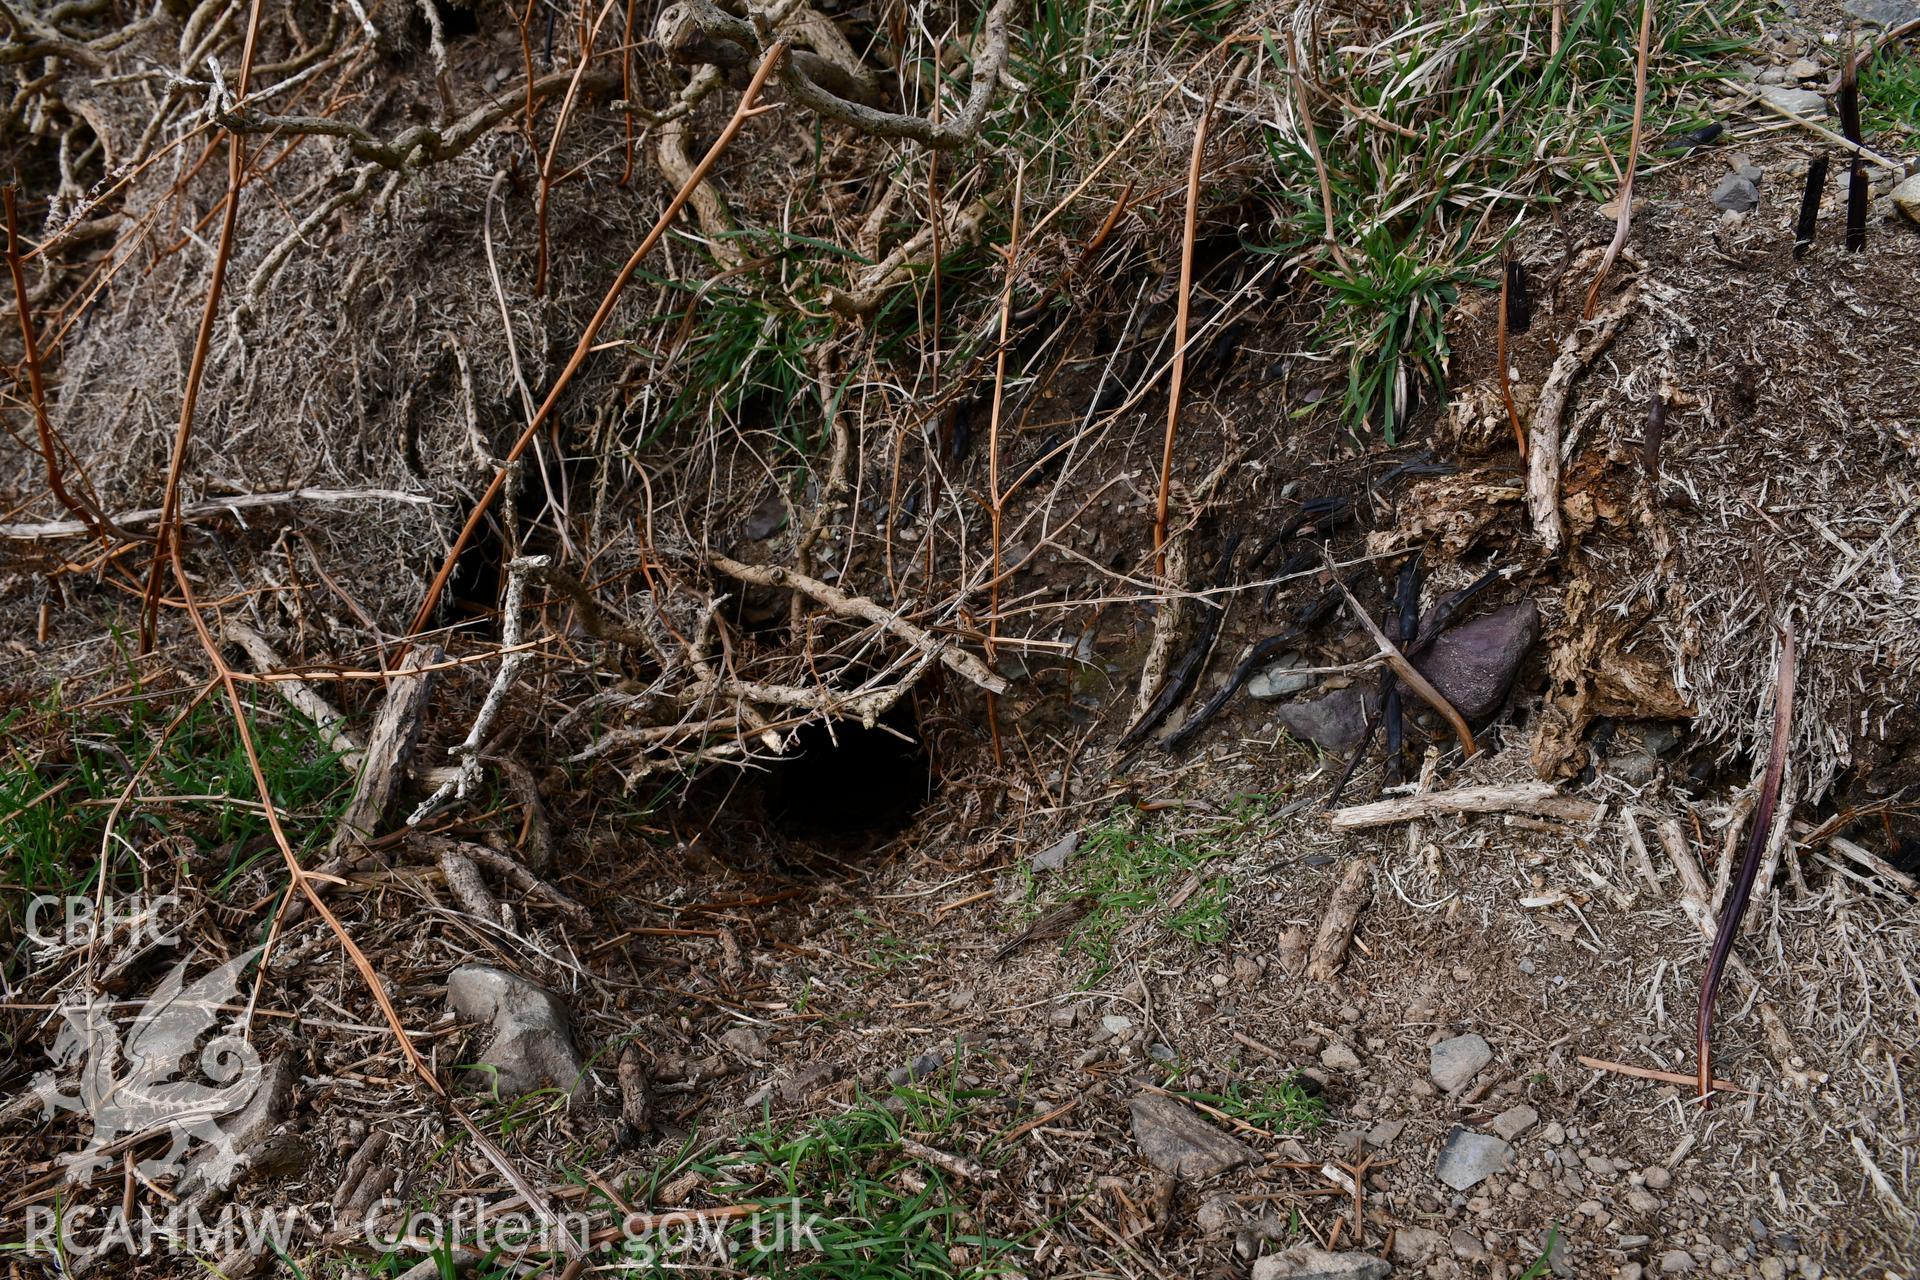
{"points": [[389, 749], [1350, 898], [1536, 799]]}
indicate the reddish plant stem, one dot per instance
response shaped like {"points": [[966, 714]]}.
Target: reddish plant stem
{"points": [[741, 114]]}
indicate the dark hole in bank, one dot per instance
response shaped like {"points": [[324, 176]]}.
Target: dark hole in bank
{"points": [[845, 783]]}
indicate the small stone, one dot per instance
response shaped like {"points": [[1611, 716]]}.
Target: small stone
{"points": [[1115, 1025], [1454, 1063], [1176, 1139], [1304, 1262], [1657, 1177], [1414, 1245], [1335, 722], [1468, 1158], [1736, 194], [1215, 1215], [1803, 69], [1642, 1201], [1473, 664], [1906, 197], [922, 1066], [1467, 1246], [1514, 1121], [1883, 13], [1801, 102], [1383, 1133], [1055, 855], [1337, 1057], [1663, 737], [1600, 1166], [1742, 164], [1772, 1269], [1279, 680], [1553, 1135], [532, 1044], [1628, 1271], [1675, 1262]]}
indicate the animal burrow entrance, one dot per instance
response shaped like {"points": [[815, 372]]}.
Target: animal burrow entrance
{"points": [[845, 785]]}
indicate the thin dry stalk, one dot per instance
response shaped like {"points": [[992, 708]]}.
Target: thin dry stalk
{"points": [[1500, 354], [1623, 220], [1180, 320], [993, 454], [742, 113], [164, 540], [36, 388], [542, 252], [1410, 675]]}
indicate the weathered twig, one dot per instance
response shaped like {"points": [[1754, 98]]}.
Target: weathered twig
{"points": [[301, 695], [1411, 677], [467, 751], [1623, 219], [1537, 799], [1350, 897], [833, 599], [211, 507], [1543, 455]]}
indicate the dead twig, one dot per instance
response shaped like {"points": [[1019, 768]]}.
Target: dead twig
{"points": [[1537, 799], [1543, 455], [1350, 898], [1623, 219], [1410, 675], [1177, 378]]}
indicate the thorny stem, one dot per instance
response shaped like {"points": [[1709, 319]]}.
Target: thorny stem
{"points": [[741, 114], [1757, 836]]}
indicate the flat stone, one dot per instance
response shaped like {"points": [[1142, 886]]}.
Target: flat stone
{"points": [[1736, 194], [1178, 1140], [1115, 1025], [1742, 164], [1414, 1245], [1882, 13], [1473, 664], [1803, 69], [1467, 1245], [1454, 1063], [1384, 1132], [1280, 680], [1335, 722], [1467, 1158], [1055, 855], [1304, 1262], [1338, 1057], [922, 1066], [1906, 197], [532, 1044], [1514, 1121], [1801, 102], [1676, 1262]]}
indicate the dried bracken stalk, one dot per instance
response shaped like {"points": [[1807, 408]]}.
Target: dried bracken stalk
{"points": [[741, 114], [1623, 220], [1181, 316], [1856, 168], [1757, 839], [1505, 324], [1810, 205]]}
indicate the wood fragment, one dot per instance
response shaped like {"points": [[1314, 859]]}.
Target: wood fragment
{"points": [[636, 1093], [961, 1167], [469, 891], [1866, 858], [1350, 898], [389, 750], [330, 723], [1411, 677], [1543, 454], [1541, 799]]}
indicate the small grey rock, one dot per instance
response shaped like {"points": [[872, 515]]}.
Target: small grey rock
{"points": [[1055, 855], [1742, 164], [1663, 737], [1338, 1057], [1454, 1063], [1514, 1121], [1882, 13], [1473, 664], [1802, 102], [1175, 1138], [532, 1045], [1468, 1158], [766, 519], [1115, 1025], [1657, 1177], [1279, 680], [1335, 722], [1468, 1246], [1736, 194], [1675, 1262], [1803, 69], [1383, 1133], [1906, 197], [1304, 1262], [921, 1067], [1414, 1245]]}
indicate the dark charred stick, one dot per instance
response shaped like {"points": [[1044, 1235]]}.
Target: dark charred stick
{"points": [[1310, 617], [1186, 672], [1438, 619], [1810, 205], [1322, 513], [1405, 624], [1857, 170], [1519, 307], [1736, 904], [1656, 432]]}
